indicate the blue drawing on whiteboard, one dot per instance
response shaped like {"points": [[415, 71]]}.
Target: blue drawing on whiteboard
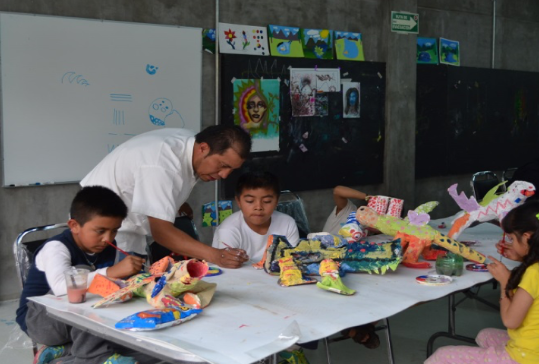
{"points": [[121, 97], [118, 117], [162, 111], [151, 69], [73, 77]]}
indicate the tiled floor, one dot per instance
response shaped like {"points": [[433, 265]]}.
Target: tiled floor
{"points": [[410, 331]]}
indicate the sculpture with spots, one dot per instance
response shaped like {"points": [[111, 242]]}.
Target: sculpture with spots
{"points": [[416, 236]]}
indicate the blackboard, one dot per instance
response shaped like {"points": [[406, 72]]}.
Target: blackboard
{"points": [[73, 89], [339, 151], [475, 119]]}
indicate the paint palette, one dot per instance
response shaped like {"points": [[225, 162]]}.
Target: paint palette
{"points": [[477, 267], [434, 280], [213, 271]]}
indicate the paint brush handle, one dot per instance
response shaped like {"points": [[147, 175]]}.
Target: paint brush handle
{"points": [[115, 247]]}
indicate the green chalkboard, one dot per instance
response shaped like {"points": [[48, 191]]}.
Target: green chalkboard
{"points": [[315, 152]]}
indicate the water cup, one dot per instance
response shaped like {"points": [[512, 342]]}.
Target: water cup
{"points": [[449, 264], [76, 281]]}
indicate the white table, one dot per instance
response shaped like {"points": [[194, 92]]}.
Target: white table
{"points": [[252, 317]]}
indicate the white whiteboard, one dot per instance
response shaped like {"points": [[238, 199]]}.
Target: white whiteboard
{"points": [[74, 89]]}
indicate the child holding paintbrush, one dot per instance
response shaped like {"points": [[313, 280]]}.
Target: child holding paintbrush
{"points": [[96, 215]]}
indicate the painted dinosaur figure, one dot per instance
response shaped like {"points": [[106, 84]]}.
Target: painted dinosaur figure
{"points": [[491, 208], [415, 236]]}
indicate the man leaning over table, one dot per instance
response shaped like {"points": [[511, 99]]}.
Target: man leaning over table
{"points": [[154, 174]]}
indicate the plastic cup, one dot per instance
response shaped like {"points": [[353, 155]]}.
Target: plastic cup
{"points": [[76, 282]]}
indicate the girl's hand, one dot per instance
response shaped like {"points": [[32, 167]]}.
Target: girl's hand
{"points": [[499, 271], [507, 251]]}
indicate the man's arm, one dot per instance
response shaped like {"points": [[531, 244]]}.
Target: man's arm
{"points": [[166, 234], [341, 194]]}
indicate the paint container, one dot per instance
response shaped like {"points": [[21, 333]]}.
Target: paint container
{"points": [[395, 207], [379, 204], [449, 264]]}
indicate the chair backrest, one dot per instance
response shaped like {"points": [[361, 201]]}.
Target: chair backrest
{"points": [[508, 174], [23, 251], [482, 182], [291, 204]]}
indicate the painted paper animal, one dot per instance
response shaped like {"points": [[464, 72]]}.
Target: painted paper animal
{"points": [[415, 239], [492, 208]]}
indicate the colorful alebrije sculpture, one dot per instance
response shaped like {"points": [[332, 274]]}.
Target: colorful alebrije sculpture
{"points": [[331, 280], [165, 288], [352, 230], [353, 257], [415, 236], [157, 318], [291, 275], [491, 208]]}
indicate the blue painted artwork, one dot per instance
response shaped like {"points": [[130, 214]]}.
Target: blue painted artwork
{"points": [[121, 97], [449, 52], [427, 51], [284, 48], [162, 112], [151, 69], [349, 46]]}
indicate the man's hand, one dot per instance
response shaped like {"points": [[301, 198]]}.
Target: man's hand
{"points": [[127, 267], [230, 257]]}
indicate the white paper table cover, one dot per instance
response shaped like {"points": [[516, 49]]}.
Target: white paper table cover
{"points": [[251, 316]]}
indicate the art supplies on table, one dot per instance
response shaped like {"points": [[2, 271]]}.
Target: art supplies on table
{"points": [[477, 267], [214, 271], [434, 280]]}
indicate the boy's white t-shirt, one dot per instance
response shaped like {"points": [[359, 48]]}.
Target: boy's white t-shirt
{"points": [[235, 232], [153, 174], [335, 222]]}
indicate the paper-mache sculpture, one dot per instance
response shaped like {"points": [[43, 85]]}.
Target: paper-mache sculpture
{"points": [[491, 208], [291, 275], [415, 235], [331, 280], [171, 285], [157, 318]]}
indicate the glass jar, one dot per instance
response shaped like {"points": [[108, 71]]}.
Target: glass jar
{"points": [[450, 264]]}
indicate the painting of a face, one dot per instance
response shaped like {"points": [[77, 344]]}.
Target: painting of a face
{"points": [[353, 98], [256, 107]]}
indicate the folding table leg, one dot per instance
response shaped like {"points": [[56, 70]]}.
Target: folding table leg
{"points": [[451, 328], [328, 355]]}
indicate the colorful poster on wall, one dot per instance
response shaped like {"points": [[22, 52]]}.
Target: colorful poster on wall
{"points": [[256, 109], [349, 46], [317, 43], [351, 100], [243, 39], [427, 51], [209, 215], [208, 40], [449, 52], [285, 41]]}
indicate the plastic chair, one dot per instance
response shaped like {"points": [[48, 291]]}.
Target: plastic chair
{"points": [[23, 252], [291, 204], [507, 175], [482, 182]]}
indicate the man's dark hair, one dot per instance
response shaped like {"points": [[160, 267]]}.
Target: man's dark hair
{"points": [[94, 201], [253, 180], [222, 137]]}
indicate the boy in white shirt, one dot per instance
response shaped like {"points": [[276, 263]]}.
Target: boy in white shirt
{"points": [[257, 195]]}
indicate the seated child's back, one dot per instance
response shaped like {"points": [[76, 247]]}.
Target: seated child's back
{"points": [[257, 195]]}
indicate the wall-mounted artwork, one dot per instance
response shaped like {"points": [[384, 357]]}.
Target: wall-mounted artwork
{"points": [[302, 91], [328, 79], [449, 52], [427, 50], [256, 109], [243, 39], [317, 43], [285, 41], [349, 46], [208, 40], [351, 99], [209, 215]]}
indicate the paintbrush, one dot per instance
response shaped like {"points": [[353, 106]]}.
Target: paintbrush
{"points": [[115, 247], [229, 247]]}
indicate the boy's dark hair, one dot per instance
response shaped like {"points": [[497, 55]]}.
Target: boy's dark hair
{"points": [[253, 180], [94, 201], [222, 137], [520, 220]]}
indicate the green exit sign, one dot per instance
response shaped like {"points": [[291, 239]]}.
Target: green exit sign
{"points": [[402, 22]]}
